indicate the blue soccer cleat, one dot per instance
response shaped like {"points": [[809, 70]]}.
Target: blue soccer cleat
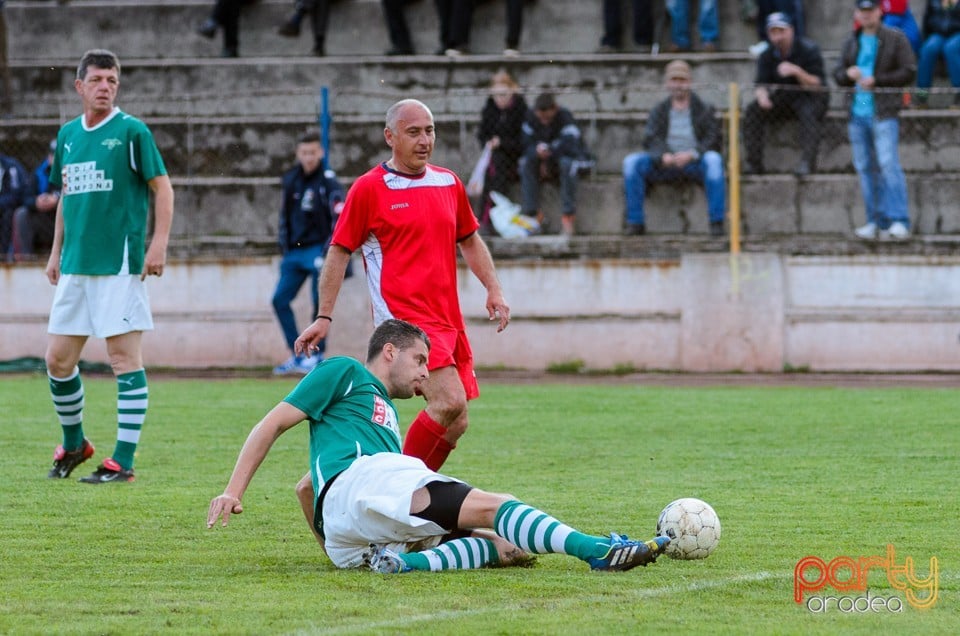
{"points": [[625, 554]]}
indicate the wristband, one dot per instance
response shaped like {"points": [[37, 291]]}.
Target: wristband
{"points": [[324, 317]]}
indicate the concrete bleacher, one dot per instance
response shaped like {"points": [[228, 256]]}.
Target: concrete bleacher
{"points": [[227, 126]]}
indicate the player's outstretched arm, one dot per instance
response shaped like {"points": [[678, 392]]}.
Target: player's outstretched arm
{"points": [[331, 279], [281, 418], [480, 262]]}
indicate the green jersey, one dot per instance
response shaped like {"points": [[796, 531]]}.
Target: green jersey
{"points": [[103, 173], [350, 416]]}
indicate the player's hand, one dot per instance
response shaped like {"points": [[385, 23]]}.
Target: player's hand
{"points": [[154, 262], [307, 343], [498, 309], [223, 506], [53, 268]]}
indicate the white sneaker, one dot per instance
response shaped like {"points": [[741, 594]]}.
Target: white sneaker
{"points": [[756, 50], [898, 231], [288, 367], [511, 53], [868, 231], [305, 365]]}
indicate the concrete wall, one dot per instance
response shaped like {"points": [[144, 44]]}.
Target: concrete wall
{"points": [[699, 312]]}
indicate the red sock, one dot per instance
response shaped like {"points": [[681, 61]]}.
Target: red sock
{"points": [[425, 440]]}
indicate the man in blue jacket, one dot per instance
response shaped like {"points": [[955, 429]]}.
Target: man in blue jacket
{"points": [[312, 198]]}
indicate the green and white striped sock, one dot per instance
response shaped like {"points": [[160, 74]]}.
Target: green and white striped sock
{"points": [[131, 412], [465, 553], [538, 533], [67, 394]]}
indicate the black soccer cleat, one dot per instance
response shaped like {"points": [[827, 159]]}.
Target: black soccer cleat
{"points": [[65, 461], [107, 472], [625, 554]]}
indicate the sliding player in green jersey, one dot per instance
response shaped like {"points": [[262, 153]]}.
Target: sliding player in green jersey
{"points": [[375, 507]]}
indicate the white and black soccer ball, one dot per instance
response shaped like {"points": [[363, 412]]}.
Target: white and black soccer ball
{"points": [[693, 527]]}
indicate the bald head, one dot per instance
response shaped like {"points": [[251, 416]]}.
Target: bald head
{"points": [[410, 134]]}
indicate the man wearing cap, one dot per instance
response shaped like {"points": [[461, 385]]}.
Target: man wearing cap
{"points": [[790, 79], [875, 58], [33, 221], [682, 141]]}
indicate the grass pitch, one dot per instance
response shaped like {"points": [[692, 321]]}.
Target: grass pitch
{"points": [[791, 472]]}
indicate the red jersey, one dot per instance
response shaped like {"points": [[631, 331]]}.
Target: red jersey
{"points": [[407, 228]]}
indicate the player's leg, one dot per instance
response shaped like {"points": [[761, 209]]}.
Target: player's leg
{"points": [[66, 391], [436, 429], [308, 499], [126, 360], [537, 532]]}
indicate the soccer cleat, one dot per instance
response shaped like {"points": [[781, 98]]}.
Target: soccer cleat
{"points": [[65, 461], [380, 559], [625, 554], [108, 471]]}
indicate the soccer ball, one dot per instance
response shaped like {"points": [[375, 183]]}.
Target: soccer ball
{"points": [[693, 527]]}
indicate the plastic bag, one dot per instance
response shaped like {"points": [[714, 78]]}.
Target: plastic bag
{"points": [[475, 185], [507, 220]]}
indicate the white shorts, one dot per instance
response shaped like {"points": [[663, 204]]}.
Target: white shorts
{"points": [[100, 306], [370, 503]]}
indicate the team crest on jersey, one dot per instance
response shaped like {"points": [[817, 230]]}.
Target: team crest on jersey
{"points": [[111, 143], [383, 415]]}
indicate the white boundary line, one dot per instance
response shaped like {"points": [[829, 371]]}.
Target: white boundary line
{"points": [[433, 617]]}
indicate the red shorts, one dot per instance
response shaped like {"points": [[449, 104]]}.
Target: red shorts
{"points": [[449, 347]]}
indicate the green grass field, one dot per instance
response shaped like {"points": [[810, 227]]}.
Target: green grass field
{"points": [[791, 472]]}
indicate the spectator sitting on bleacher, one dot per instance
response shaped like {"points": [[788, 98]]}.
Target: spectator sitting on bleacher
{"points": [[226, 15], [501, 130], [514, 27], [941, 33], [897, 15], [552, 148], [13, 188], [33, 222], [319, 11], [877, 57], [792, 8], [455, 17], [708, 23], [790, 78], [682, 141], [400, 41], [643, 22]]}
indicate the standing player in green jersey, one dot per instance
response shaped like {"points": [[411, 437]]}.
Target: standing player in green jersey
{"points": [[378, 508], [107, 165]]}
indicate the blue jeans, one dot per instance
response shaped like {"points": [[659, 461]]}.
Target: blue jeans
{"points": [[530, 177], [639, 169], [906, 23], [876, 158], [709, 24], [296, 266], [932, 48]]}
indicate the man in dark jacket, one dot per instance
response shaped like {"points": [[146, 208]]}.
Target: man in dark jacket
{"points": [[682, 141], [552, 148], [34, 221], [13, 188], [790, 80], [312, 197], [875, 58]]}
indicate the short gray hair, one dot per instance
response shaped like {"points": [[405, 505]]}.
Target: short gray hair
{"points": [[393, 113]]}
